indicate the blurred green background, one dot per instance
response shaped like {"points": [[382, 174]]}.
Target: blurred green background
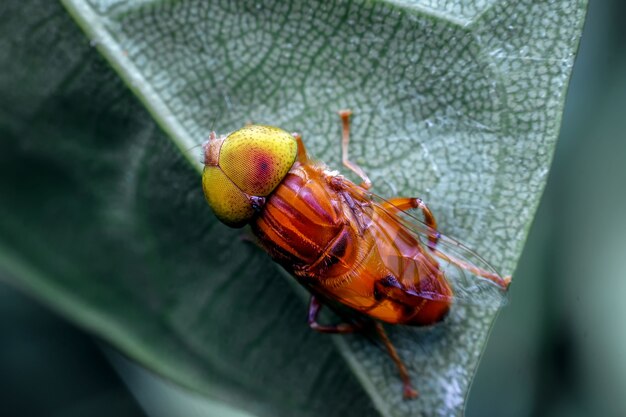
{"points": [[557, 349]]}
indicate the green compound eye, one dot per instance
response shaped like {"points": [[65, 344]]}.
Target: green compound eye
{"points": [[229, 204], [252, 162], [257, 158]]}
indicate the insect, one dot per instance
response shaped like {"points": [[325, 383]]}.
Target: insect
{"points": [[345, 245]]}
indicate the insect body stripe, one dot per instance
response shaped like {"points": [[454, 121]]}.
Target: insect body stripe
{"points": [[289, 237]]}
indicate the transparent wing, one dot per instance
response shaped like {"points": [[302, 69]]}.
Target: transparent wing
{"points": [[473, 280]]}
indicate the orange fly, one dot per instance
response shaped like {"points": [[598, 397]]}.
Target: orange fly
{"points": [[343, 243]]}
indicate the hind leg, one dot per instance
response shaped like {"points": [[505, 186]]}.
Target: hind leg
{"points": [[407, 387], [407, 203], [404, 204], [501, 282]]}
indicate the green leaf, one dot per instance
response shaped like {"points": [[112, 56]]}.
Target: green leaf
{"points": [[103, 215], [161, 398]]}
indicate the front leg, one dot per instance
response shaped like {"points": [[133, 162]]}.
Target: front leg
{"points": [[301, 155], [345, 141]]}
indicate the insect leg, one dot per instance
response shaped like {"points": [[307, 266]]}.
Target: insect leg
{"points": [[345, 140], [495, 278], [406, 203], [314, 309], [408, 391], [301, 156]]}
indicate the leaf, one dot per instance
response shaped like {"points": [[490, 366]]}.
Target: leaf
{"points": [[103, 215], [161, 398]]}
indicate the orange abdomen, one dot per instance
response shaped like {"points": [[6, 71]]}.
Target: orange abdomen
{"points": [[318, 234]]}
